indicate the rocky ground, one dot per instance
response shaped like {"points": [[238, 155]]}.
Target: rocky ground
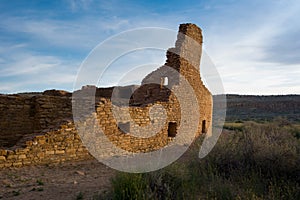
{"points": [[72, 180]]}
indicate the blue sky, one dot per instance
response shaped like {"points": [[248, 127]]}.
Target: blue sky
{"points": [[254, 44]]}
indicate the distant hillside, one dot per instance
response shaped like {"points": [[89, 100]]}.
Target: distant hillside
{"points": [[248, 107], [239, 107]]}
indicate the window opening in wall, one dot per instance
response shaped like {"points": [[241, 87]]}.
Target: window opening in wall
{"points": [[164, 81], [172, 129], [124, 127], [204, 126]]}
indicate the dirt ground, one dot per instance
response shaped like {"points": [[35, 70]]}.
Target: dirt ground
{"points": [[71, 180]]}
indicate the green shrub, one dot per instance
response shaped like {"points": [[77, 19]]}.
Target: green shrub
{"points": [[39, 182], [79, 196], [258, 161], [130, 186]]}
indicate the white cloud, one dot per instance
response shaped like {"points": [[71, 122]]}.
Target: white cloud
{"points": [[29, 64], [245, 64], [26, 71]]}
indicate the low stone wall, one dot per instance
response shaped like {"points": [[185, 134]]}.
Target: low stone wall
{"points": [[53, 147]]}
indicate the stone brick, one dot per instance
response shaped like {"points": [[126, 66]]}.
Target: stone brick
{"points": [[59, 152], [41, 155], [8, 164], [3, 152], [70, 151], [2, 158], [21, 156], [26, 162], [49, 152], [17, 164], [12, 157]]}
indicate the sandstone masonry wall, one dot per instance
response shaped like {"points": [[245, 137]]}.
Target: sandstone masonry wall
{"points": [[53, 147]]}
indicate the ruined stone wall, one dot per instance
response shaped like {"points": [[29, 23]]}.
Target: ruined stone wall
{"points": [[141, 134], [185, 59], [16, 117], [63, 144], [51, 112], [32, 129], [128, 127], [52, 147], [17, 114], [190, 55], [23, 115]]}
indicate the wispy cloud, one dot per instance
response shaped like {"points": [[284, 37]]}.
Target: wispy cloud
{"points": [[29, 64], [22, 70], [259, 54], [84, 33]]}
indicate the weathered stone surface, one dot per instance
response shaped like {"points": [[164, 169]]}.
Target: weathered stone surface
{"points": [[59, 152], [17, 164], [21, 156], [3, 152], [49, 152], [2, 158]]}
